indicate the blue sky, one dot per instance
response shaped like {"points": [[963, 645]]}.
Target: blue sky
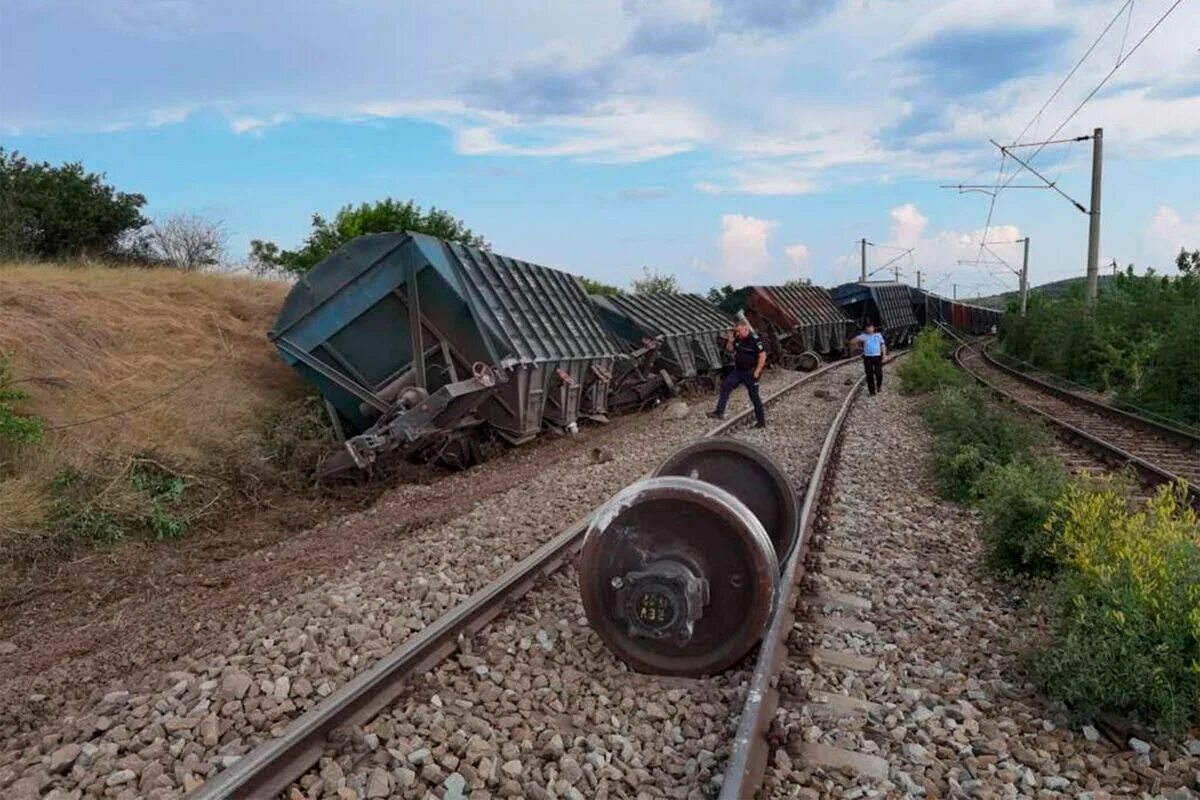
{"points": [[725, 141]]}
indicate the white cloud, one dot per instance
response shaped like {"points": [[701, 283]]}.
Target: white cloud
{"points": [[937, 255], [908, 224], [257, 125], [799, 260], [744, 247], [1169, 231]]}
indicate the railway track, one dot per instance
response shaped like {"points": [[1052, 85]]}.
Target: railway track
{"points": [[1157, 452], [277, 765]]}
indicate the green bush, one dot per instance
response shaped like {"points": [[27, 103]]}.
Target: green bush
{"points": [[957, 468], [1137, 342], [1016, 499], [927, 367], [1126, 616], [972, 434], [15, 429]]}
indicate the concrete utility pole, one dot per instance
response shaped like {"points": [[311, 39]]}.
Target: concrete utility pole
{"points": [[955, 285], [863, 274], [896, 272], [1025, 278], [1093, 267], [918, 279]]}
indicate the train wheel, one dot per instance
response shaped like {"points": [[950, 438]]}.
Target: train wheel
{"points": [[678, 577], [751, 475]]}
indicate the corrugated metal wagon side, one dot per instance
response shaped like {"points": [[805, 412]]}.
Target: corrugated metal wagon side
{"points": [[685, 330], [415, 343], [801, 323], [887, 304]]}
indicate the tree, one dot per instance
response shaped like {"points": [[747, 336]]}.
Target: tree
{"points": [[61, 212], [382, 216], [794, 282], [596, 287], [655, 283], [185, 241], [1188, 263], [720, 297]]}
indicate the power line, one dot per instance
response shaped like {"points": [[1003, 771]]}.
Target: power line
{"points": [[1074, 69], [1106, 78], [1049, 183]]}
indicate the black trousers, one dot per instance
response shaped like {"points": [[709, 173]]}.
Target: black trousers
{"points": [[746, 378], [874, 368]]}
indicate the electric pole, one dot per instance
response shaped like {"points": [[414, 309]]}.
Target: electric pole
{"points": [[955, 285], [896, 272], [1025, 278], [918, 279], [1093, 267], [863, 274]]}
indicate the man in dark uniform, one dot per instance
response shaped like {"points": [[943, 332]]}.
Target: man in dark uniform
{"points": [[749, 360]]}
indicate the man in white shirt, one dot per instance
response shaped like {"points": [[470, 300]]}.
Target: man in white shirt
{"points": [[874, 349]]}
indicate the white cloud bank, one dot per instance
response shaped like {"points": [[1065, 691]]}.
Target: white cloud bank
{"points": [[744, 246]]}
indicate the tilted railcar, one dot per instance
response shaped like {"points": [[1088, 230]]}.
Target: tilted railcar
{"points": [[420, 345], [886, 304], [801, 324], [683, 332]]}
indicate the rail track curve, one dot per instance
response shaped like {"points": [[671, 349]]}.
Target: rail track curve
{"points": [[1157, 452]]}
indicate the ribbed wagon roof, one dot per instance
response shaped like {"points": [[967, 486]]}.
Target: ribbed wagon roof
{"points": [[810, 305], [542, 313], [662, 313]]}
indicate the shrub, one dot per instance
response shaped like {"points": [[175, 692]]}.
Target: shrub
{"points": [[973, 434], [927, 367], [1126, 616], [15, 429], [1016, 499], [1135, 342], [956, 469]]}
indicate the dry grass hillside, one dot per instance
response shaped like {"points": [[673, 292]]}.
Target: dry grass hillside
{"points": [[128, 368]]}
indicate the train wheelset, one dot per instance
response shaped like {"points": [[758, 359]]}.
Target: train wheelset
{"points": [[680, 571]]}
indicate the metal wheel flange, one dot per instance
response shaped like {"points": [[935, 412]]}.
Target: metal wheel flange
{"points": [[751, 475], [678, 576]]}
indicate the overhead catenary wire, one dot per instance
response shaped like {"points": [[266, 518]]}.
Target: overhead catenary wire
{"points": [[1120, 62]]}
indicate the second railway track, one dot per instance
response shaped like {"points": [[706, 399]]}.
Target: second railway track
{"points": [[1158, 453], [527, 673]]}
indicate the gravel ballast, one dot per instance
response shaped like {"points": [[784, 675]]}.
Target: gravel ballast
{"points": [[955, 717], [280, 655], [536, 706]]}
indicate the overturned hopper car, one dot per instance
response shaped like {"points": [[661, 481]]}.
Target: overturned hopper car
{"points": [[684, 331], [886, 304], [424, 346], [800, 324]]}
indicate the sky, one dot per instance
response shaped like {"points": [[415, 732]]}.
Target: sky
{"points": [[722, 141]]}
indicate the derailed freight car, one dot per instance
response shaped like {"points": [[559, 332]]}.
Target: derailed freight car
{"points": [[886, 304], [800, 324], [932, 309], [682, 332], [422, 346]]}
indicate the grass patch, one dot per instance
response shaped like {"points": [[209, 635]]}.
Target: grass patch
{"points": [[927, 367]]}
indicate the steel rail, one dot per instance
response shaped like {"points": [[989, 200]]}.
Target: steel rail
{"points": [[1167, 430], [747, 763], [270, 768], [1150, 473]]}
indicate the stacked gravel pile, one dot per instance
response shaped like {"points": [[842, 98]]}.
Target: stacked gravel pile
{"points": [[537, 707], [955, 717], [169, 732]]}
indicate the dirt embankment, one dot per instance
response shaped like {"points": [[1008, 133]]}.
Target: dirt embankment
{"points": [[154, 387]]}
